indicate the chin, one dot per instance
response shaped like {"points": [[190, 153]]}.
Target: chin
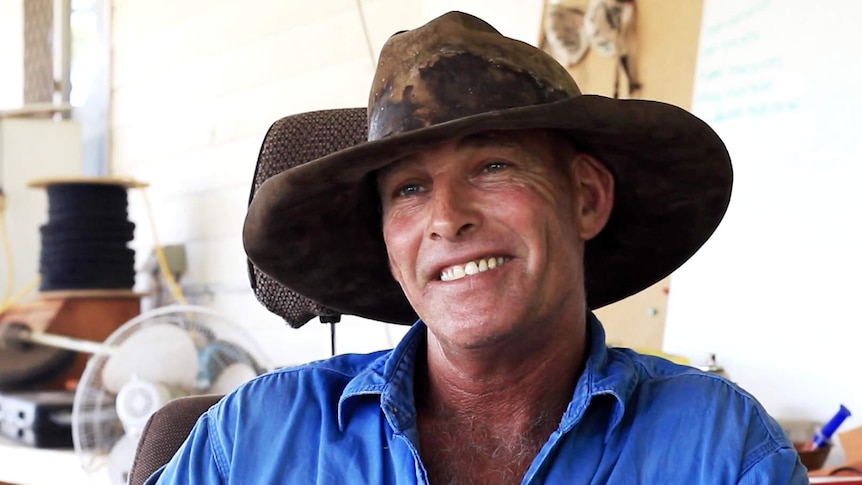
{"points": [[469, 332]]}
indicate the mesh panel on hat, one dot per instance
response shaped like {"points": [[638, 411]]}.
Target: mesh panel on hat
{"points": [[290, 142]]}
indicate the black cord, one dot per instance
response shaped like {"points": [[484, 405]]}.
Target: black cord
{"points": [[331, 320]]}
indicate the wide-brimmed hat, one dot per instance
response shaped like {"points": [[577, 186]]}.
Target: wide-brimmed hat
{"points": [[316, 228]]}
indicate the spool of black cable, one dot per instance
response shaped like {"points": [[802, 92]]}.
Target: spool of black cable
{"points": [[85, 241]]}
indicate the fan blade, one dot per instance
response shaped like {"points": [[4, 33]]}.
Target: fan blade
{"points": [[120, 460], [160, 353], [232, 376]]}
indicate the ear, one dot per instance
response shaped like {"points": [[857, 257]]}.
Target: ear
{"points": [[594, 185]]}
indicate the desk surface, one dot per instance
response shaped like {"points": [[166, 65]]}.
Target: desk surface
{"points": [[25, 465]]}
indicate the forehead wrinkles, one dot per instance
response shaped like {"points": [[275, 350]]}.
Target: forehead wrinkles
{"points": [[536, 145]]}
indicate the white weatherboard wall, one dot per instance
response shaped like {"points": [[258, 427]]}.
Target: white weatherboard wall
{"points": [[196, 84], [775, 293], [12, 53]]}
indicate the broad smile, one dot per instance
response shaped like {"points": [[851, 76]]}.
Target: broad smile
{"points": [[458, 271]]}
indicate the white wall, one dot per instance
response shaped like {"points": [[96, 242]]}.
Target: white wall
{"points": [[520, 20], [11, 53], [196, 84], [775, 292]]}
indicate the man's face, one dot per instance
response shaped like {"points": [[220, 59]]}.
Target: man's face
{"points": [[485, 234]]}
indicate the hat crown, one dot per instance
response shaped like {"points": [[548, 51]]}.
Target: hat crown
{"points": [[456, 66]]}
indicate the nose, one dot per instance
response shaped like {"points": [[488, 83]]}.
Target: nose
{"points": [[453, 214]]}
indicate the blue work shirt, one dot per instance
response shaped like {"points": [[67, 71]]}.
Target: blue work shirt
{"points": [[351, 419]]}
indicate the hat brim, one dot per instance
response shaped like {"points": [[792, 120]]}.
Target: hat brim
{"points": [[316, 228]]}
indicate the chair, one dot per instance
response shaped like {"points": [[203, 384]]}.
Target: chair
{"points": [[290, 141], [165, 431]]}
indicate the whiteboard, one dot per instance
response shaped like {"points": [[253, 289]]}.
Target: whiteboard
{"points": [[776, 293]]}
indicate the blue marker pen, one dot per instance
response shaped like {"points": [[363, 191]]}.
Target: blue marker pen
{"points": [[824, 434]]}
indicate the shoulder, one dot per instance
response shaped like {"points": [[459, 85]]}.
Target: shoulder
{"points": [[298, 395], [318, 380], [684, 388], [651, 369], [292, 408], [337, 368], [697, 407], [657, 377]]}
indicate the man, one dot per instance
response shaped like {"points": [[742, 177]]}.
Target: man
{"points": [[498, 204]]}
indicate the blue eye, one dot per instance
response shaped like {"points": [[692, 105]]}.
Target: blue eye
{"points": [[495, 166], [407, 190]]}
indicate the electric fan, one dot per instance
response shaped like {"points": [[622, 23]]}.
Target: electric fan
{"points": [[169, 352]]}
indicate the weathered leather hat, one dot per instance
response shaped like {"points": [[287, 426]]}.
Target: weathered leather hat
{"points": [[315, 228]]}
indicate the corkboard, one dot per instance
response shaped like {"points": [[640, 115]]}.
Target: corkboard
{"points": [[666, 36]]}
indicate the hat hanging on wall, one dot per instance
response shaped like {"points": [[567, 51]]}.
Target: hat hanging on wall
{"points": [[609, 24], [571, 27], [565, 37]]}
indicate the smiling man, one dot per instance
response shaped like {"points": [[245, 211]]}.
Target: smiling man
{"points": [[499, 205], [486, 235]]}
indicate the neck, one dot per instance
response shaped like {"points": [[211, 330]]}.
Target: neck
{"points": [[483, 419], [515, 383]]}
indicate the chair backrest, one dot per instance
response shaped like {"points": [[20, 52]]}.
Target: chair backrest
{"points": [[165, 431], [290, 142]]}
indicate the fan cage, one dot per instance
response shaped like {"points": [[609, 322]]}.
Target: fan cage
{"points": [[96, 426]]}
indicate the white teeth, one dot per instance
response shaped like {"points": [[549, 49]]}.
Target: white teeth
{"points": [[472, 267]]}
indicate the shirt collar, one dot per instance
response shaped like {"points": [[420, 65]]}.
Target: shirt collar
{"points": [[391, 378], [605, 374]]}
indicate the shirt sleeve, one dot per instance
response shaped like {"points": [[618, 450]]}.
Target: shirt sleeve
{"points": [[194, 463], [781, 466]]}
